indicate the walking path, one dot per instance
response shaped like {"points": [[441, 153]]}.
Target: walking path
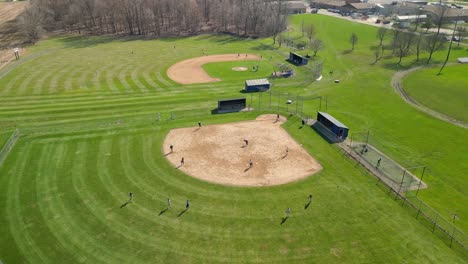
{"points": [[398, 87]]}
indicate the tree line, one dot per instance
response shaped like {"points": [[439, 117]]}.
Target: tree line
{"points": [[154, 17]]}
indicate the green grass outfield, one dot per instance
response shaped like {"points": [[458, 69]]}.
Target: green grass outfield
{"points": [[64, 195], [86, 105], [446, 93]]}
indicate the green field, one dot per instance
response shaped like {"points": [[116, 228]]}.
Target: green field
{"points": [[446, 93], [88, 109]]}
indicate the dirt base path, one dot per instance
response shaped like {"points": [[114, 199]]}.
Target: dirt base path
{"points": [[218, 154], [398, 87], [191, 71]]}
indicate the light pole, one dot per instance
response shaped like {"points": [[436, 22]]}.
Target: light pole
{"points": [[451, 41]]}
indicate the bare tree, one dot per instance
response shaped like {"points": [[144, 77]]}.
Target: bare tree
{"points": [[402, 44], [30, 24], [353, 40], [316, 46], [310, 32], [377, 55], [381, 33], [461, 33], [158, 17], [450, 46], [428, 24], [432, 43]]}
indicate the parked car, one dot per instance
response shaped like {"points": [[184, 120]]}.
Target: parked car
{"points": [[377, 21]]}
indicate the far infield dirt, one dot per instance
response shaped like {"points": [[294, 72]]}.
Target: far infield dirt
{"points": [[218, 154], [191, 71]]}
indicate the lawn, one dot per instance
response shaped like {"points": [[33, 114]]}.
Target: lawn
{"points": [[445, 93], [94, 111], [4, 136], [73, 209]]}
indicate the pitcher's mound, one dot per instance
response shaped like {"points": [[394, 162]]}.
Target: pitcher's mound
{"points": [[218, 153], [239, 69]]}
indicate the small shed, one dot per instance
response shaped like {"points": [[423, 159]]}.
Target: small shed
{"points": [[332, 124], [231, 105], [257, 85], [297, 59]]}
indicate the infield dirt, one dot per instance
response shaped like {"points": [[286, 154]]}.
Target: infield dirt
{"points": [[191, 71], [218, 154]]}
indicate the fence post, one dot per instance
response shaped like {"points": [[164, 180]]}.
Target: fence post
{"points": [[402, 179], [260, 101], [419, 209], [435, 222], [269, 107], [297, 104], [420, 181]]}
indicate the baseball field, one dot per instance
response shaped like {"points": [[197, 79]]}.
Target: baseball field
{"points": [[97, 115]]}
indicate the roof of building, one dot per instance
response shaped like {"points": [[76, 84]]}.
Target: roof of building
{"points": [[296, 5], [337, 3], [448, 13], [463, 60], [362, 5], [257, 82], [332, 119], [413, 17]]}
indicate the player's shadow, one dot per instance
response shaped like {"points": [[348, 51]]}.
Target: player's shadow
{"points": [[244, 146], [183, 212], [125, 204], [284, 156], [169, 153], [283, 220], [247, 169], [307, 205], [179, 166], [163, 211], [196, 129]]}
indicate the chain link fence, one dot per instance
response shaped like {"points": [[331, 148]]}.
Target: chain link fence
{"points": [[399, 181]]}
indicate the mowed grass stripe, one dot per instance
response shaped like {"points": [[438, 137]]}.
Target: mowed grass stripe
{"points": [[24, 240], [69, 84], [50, 200], [87, 187], [104, 104], [158, 235], [57, 82], [136, 80], [25, 86], [40, 86], [12, 83]]}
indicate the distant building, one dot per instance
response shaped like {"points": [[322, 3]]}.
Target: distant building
{"points": [[362, 8], [329, 4], [296, 7]]}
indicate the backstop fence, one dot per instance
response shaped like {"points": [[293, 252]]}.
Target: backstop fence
{"points": [[403, 184]]}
